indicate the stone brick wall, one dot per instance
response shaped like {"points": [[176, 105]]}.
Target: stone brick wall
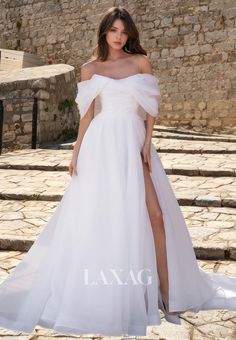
{"points": [[55, 88], [191, 45]]}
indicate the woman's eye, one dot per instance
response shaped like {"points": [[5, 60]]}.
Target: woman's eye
{"points": [[114, 30]]}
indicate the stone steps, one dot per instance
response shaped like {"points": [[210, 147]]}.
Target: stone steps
{"points": [[50, 186], [172, 135], [180, 133], [193, 146], [176, 141], [173, 145], [201, 169], [180, 164], [211, 229]]}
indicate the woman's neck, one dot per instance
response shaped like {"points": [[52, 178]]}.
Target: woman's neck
{"points": [[114, 55]]}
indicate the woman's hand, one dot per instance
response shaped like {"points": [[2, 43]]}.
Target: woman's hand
{"points": [[72, 167], [146, 154], [73, 163]]}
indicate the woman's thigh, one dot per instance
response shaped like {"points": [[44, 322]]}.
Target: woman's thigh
{"points": [[153, 205]]}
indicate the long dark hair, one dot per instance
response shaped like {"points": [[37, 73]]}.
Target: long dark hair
{"points": [[132, 45]]}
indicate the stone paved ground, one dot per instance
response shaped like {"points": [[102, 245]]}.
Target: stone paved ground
{"points": [[181, 133], [174, 163], [201, 169], [192, 146], [50, 185], [212, 229]]}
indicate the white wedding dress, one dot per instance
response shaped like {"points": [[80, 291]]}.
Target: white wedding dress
{"points": [[93, 267]]}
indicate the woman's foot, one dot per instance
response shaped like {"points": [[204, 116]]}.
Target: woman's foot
{"points": [[166, 309], [172, 317]]}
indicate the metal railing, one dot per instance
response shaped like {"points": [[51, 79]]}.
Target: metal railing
{"points": [[34, 119]]}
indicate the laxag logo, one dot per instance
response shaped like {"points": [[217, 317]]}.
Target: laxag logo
{"points": [[116, 278]]}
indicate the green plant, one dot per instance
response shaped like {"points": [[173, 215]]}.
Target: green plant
{"points": [[18, 24], [46, 109], [68, 133], [64, 104]]}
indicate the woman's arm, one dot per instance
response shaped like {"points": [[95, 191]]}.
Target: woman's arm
{"points": [[86, 73], [149, 128], [146, 67]]}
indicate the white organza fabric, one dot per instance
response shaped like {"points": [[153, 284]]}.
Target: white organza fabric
{"points": [[144, 93], [93, 267]]}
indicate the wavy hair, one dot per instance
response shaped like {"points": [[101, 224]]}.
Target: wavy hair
{"points": [[132, 45]]}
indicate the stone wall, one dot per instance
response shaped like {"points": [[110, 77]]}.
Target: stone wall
{"points": [[55, 88], [191, 45]]}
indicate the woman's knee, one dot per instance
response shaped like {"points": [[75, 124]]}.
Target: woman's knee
{"points": [[156, 217]]}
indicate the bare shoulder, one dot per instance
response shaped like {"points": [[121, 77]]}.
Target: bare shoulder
{"points": [[88, 69], [144, 63]]}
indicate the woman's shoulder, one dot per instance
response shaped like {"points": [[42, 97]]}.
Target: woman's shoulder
{"points": [[88, 69], [143, 63], [138, 57]]}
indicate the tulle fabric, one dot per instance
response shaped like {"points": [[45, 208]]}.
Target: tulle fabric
{"points": [[93, 267], [145, 90]]}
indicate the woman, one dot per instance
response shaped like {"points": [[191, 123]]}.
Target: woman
{"points": [[117, 248], [119, 54]]}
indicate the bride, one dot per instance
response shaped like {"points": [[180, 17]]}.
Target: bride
{"points": [[119, 55], [117, 248]]}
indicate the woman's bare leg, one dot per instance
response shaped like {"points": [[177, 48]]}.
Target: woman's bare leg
{"points": [[158, 229]]}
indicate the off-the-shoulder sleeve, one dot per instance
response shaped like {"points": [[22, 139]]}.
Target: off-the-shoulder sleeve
{"points": [[88, 90], [147, 93]]}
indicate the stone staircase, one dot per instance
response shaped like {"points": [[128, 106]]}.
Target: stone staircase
{"points": [[200, 167], [202, 173]]}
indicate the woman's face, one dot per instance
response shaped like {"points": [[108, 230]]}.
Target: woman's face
{"points": [[117, 36]]}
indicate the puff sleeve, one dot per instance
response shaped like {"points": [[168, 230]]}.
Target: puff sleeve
{"points": [[147, 93], [88, 90]]}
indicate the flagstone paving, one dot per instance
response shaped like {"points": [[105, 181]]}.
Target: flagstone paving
{"points": [[181, 133], [178, 146], [50, 186], [212, 229], [173, 163], [190, 136]]}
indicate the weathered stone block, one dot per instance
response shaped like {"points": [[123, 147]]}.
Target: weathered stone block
{"points": [[27, 127], [39, 84], [9, 136], [191, 50], [26, 117], [166, 21], [215, 123], [42, 94], [25, 139], [15, 118], [178, 52], [190, 19], [202, 105]]}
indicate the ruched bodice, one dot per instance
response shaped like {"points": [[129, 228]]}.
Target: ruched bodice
{"points": [[138, 93], [116, 100]]}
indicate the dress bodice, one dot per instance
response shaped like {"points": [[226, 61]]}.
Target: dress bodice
{"points": [[137, 93], [115, 100]]}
